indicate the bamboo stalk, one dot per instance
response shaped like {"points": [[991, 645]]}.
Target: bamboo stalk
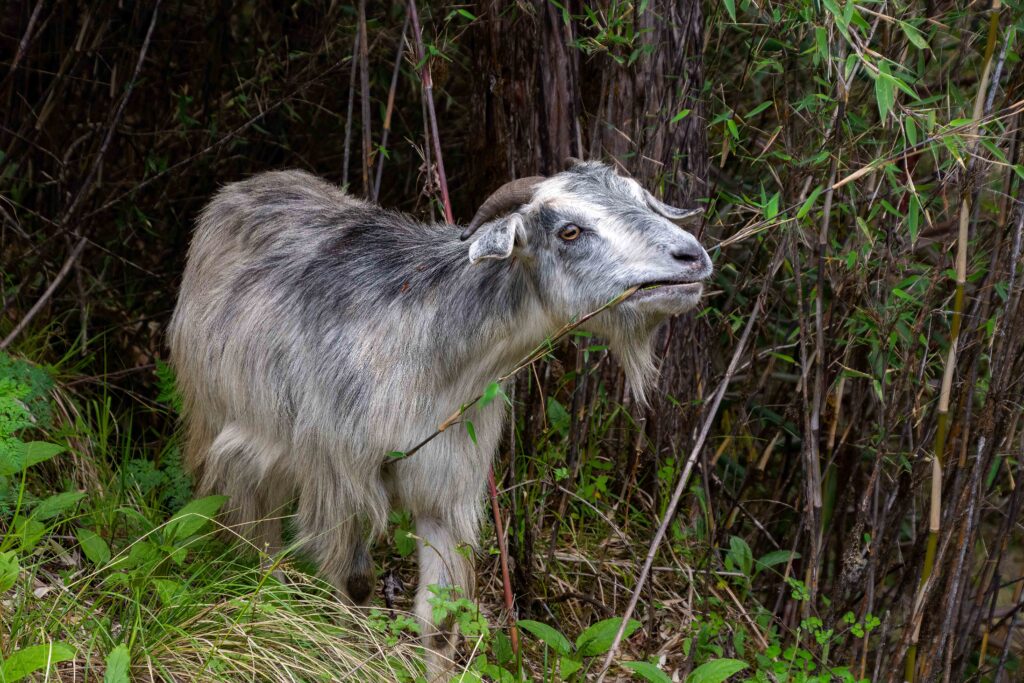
{"points": [[353, 72], [375, 196], [428, 96], [942, 428], [364, 98]]}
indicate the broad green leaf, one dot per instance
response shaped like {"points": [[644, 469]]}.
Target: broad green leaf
{"points": [[914, 36], [680, 115], [567, 666], [9, 569], [489, 393], [558, 416], [54, 505], [597, 638], [167, 590], [741, 556], [730, 7], [648, 672], [118, 664], [716, 671], [913, 218], [35, 452], [885, 92], [809, 202], [471, 430], [552, 638], [29, 660], [773, 558], [94, 547], [23, 455], [404, 542], [771, 210], [29, 530], [193, 517]]}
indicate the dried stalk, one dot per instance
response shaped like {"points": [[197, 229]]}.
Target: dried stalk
{"points": [[684, 477], [942, 428]]}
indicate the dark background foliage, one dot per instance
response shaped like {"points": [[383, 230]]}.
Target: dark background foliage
{"points": [[121, 118]]}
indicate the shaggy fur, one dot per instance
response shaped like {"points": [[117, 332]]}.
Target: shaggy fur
{"points": [[315, 333]]}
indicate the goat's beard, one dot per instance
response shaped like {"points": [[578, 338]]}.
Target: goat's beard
{"points": [[631, 337]]}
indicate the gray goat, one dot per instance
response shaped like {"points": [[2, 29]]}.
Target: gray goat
{"points": [[315, 333]]}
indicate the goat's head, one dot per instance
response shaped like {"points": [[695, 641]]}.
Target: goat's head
{"points": [[588, 235]]}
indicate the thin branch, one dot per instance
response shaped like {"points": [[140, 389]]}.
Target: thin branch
{"points": [[364, 97], [390, 108], [428, 96], [684, 478], [346, 154], [79, 247]]}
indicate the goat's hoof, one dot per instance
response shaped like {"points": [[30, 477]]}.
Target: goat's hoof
{"points": [[359, 588]]}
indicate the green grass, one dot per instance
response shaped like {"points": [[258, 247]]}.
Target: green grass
{"points": [[94, 570]]}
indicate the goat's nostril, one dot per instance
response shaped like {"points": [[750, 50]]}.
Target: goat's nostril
{"points": [[685, 256]]}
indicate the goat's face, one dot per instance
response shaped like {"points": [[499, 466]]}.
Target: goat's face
{"points": [[589, 234]]}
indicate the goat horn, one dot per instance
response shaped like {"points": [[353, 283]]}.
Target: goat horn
{"points": [[505, 198]]}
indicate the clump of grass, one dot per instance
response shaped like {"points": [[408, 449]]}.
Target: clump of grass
{"points": [[108, 585]]}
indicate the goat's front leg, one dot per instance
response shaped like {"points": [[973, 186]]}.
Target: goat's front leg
{"points": [[445, 561]]}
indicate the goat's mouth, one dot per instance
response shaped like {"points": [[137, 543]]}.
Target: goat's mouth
{"points": [[667, 297], [668, 288]]}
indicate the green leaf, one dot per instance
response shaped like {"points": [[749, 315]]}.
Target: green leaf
{"points": [[404, 542], [167, 590], [93, 546], [558, 416], [885, 91], [547, 635], [773, 558], [597, 638], [35, 452], [567, 666], [471, 430], [771, 210], [682, 114], [809, 202], [913, 218], [9, 569], [914, 36], [54, 505], [502, 648], [490, 393], [740, 556], [716, 671], [648, 672], [29, 530], [730, 7], [193, 517], [29, 660], [118, 664], [21, 456]]}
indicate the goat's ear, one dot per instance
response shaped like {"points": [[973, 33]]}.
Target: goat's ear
{"points": [[495, 240]]}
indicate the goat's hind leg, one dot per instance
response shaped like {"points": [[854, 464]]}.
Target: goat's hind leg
{"points": [[331, 531], [239, 466]]}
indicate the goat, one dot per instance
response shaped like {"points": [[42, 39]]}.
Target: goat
{"points": [[315, 333]]}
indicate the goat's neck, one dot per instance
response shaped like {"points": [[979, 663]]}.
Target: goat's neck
{"points": [[500, 313]]}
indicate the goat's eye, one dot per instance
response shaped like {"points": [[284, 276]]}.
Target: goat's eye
{"points": [[570, 232]]}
